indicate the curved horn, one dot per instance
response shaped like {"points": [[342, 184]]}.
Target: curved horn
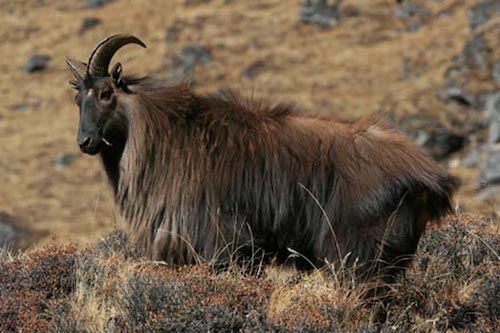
{"points": [[104, 51], [78, 68]]}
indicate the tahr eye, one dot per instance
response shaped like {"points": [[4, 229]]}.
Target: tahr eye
{"points": [[105, 94]]}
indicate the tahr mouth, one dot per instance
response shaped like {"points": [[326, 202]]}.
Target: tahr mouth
{"points": [[92, 150], [98, 142], [92, 144]]}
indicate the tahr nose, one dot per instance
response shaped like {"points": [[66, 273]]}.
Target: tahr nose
{"points": [[85, 142]]}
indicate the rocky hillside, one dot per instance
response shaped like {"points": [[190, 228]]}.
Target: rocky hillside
{"points": [[429, 66]]}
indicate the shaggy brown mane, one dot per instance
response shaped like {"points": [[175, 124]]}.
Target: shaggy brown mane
{"points": [[197, 170]]}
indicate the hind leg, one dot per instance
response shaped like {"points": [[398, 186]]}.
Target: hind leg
{"points": [[396, 251]]}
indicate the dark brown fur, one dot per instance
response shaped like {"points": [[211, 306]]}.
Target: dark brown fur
{"points": [[204, 177]]}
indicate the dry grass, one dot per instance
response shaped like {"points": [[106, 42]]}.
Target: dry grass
{"points": [[454, 285]]}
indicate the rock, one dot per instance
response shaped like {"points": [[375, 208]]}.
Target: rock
{"points": [[27, 105], [489, 194], [414, 26], [477, 65], [438, 140], [88, 23], [455, 72], [7, 231], [97, 3], [191, 57], [255, 69], [492, 103], [349, 10], [495, 72], [444, 13], [474, 126], [195, 2], [22, 107], [491, 167], [409, 9], [494, 131], [320, 13], [482, 12], [65, 159], [6, 235], [37, 63], [442, 142], [406, 69], [459, 96], [173, 32], [421, 137], [476, 52], [414, 122], [491, 174], [492, 111], [472, 159]]}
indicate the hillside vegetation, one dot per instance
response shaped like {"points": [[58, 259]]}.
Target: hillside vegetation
{"points": [[453, 286]]}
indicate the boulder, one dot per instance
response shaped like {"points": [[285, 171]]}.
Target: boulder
{"points": [[255, 69], [320, 13], [173, 32], [65, 159], [37, 63], [491, 169], [97, 3], [191, 57], [491, 173], [409, 9], [89, 23], [476, 52], [482, 12]]}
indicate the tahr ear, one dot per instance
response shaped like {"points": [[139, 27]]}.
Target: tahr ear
{"points": [[116, 75]]}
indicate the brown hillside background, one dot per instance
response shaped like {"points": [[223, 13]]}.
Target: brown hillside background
{"points": [[349, 70]]}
